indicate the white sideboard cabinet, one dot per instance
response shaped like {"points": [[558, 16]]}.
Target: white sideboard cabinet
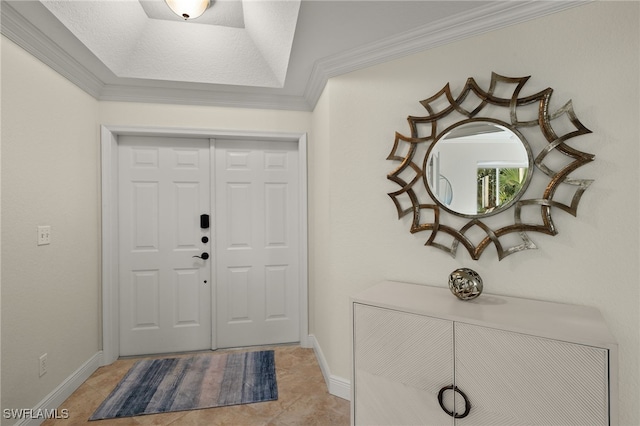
{"points": [[423, 357]]}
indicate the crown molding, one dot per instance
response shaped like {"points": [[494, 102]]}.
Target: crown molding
{"points": [[475, 22], [499, 15], [23, 33]]}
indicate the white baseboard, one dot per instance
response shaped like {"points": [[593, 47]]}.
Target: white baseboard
{"points": [[337, 386], [57, 397]]}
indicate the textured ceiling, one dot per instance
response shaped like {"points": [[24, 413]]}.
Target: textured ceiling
{"points": [[252, 53], [251, 49]]}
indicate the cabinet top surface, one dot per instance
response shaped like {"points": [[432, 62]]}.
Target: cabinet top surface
{"points": [[572, 323]]}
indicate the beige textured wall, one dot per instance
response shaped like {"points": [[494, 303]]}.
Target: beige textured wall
{"points": [[180, 116], [50, 176], [0, 234], [589, 54]]}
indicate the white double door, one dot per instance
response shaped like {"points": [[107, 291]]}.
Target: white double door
{"points": [[245, 293]]}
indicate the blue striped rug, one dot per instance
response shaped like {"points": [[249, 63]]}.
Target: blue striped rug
{"points": [[175, 384]]}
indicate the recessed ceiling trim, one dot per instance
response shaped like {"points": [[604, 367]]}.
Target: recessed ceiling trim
{"points": [[256, 55]]}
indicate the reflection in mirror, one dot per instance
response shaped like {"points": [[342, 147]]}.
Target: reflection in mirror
{"points": [[486, 165]]}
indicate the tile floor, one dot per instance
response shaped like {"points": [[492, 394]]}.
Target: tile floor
{"points": [[303, 398]]}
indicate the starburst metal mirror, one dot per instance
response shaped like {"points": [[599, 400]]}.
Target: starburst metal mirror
{"points": [[471, 160]]}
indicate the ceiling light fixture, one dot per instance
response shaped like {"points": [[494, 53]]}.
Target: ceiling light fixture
{"points": [[188, 9]]}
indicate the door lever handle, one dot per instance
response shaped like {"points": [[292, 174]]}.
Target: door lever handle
{"points": [[204, 256]]}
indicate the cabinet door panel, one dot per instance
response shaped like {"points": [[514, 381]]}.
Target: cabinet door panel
{"points": [[516, 379], [401, 361]]}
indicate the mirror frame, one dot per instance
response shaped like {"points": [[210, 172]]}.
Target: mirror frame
{"points": [[405, 148]]}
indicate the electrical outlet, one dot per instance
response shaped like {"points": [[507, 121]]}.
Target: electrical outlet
{"points": [[43, 364], [44, 235]]}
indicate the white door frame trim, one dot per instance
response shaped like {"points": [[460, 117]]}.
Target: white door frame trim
{"points": [[109, 150]]}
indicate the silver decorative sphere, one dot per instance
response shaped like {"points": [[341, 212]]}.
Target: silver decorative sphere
{"points": [[465, 283]]}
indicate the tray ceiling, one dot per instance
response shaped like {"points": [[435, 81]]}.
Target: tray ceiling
{"points": [[253, 53]]}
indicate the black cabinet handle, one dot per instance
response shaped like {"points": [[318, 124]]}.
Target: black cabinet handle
{"points": [[467, 404], [204, 256]]}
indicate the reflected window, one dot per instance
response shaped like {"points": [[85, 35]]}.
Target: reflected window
{"points": [[498, 186]]}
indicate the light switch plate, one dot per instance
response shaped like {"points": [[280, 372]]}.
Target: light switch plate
{"points": [[44, 235]]}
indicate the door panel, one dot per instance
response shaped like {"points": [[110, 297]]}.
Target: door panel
{"points": [[516, 379], [257, 228], [145, 216], [401, 361], [145, 304], [186, 300], [165, 293], [238, 204]]}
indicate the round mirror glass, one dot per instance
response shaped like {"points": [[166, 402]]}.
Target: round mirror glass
{"points": [[478, 168]]}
